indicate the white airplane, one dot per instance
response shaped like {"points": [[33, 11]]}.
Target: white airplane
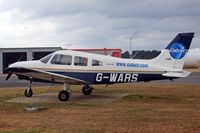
{"points": [[80, 68]]}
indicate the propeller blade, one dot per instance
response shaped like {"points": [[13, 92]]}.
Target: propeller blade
{"points": [[9, 75], [20, 58]]}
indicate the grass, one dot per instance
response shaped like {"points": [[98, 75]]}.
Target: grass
{"points": [[21, 131], [146, 108]]}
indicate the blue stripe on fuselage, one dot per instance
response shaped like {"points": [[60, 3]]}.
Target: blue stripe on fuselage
{"points": [[111, 78]]}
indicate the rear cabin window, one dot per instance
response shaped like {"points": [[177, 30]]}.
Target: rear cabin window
{"points": [[97, 63], [46, 58], [80, 61], [61, 59]]}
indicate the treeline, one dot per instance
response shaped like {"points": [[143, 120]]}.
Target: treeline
{"points": [[141, 54]]}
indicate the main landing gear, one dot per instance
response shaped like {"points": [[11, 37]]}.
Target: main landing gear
{"points": [[64, 94], [87, 90]]}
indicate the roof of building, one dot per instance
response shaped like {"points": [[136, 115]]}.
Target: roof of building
{"points": [[31, 48], [98, 49]]}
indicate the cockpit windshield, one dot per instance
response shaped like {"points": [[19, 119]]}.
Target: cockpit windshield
{"points": [[46, 58]]}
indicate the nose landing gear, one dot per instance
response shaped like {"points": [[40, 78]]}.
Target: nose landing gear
{"points": [[28, 92]]}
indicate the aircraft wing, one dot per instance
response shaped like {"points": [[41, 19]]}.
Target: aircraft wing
{"points": [[44, 76]]}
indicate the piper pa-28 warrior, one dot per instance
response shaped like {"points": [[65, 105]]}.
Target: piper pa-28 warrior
{"points": [[80, 68]]}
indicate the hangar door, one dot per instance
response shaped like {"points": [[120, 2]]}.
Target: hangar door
{"points": [[9, 58], [39, 55]]}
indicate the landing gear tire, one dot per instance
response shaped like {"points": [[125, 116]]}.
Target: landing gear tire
{"points": [[63, 95], [28, 93], [87, 90]]}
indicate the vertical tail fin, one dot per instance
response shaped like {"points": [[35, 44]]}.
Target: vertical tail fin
{"points": [[174, 54]]}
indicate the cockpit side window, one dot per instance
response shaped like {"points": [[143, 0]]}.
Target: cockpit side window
{"points": [[97, 63], [80, 61], [61, 59], [46, 58]]}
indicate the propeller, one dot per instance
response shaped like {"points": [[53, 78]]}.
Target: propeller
{"points": [[8, 76], [20, 58], [8, 69], [9, 73]]}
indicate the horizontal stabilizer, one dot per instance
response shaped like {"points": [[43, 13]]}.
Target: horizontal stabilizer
{"points": [[182, 74]]}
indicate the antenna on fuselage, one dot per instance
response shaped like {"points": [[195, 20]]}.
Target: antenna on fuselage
{"points": [[67, 46]]}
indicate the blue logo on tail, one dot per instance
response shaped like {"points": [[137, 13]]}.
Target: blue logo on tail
{"points": [[177, 51]]}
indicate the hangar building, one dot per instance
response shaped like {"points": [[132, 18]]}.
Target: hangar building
{"points": [[11, 55]]}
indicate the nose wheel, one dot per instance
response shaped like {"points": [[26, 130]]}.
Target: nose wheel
{"points": [[28, 92]]}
